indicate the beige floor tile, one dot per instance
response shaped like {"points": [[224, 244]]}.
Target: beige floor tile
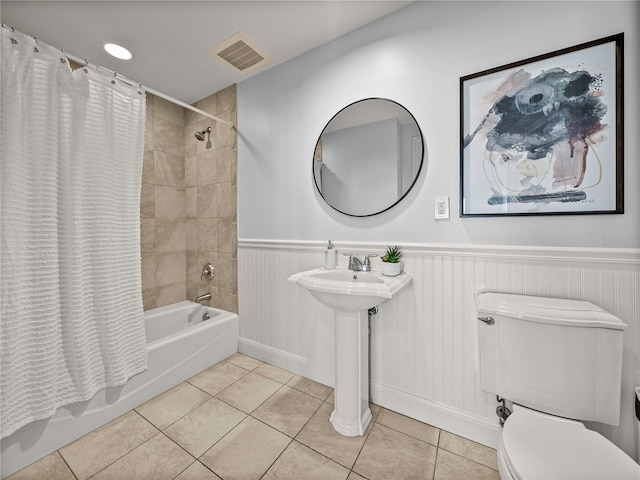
{"points": [[355, 476], [305, 385], [202, 427], [244, 361], [320, 435], [274, 373], [249, 392], [414, 428], [100, 448], [230, 459], [450, 466], [287, 410], [197, 471], [466, 448], [300, 462], [239, 447], [390, 454], [51, 467], [157, 459], [172, 405], [215, 379]]}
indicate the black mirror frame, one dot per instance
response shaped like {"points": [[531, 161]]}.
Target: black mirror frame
{"points": [[415, 179]]}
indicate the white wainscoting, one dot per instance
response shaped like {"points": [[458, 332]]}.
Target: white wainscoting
{"points": [[424, 360]]}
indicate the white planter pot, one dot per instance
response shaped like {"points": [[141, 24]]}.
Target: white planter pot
{"points": [[392, 269]]}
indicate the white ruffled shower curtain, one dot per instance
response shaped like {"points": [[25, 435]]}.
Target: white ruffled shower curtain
{"points": [[71, 307]]}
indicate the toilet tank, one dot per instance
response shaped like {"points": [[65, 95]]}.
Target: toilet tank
{"points": [[563, 357]]}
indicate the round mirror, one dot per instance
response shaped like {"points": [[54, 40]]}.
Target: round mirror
{"points": [[368, 157]]}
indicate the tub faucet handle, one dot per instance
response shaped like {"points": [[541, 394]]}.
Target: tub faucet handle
{"points": [[208, 271]]}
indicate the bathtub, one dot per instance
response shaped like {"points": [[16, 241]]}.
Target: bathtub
{"points": [[179, 343]]}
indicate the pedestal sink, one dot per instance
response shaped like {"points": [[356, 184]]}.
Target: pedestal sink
{"points": [[351, 294]]}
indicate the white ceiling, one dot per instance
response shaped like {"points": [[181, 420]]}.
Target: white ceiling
{"points": [[170, 39]]}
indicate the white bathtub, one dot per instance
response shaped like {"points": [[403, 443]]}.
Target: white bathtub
{"points": [[180, 345]]}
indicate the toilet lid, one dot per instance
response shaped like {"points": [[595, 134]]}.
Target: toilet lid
{"points": [[568, 450]]}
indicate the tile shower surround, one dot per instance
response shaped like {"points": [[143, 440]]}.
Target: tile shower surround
{"points": [[188, 203], [244, 419]]}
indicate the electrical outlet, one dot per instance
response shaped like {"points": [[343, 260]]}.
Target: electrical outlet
{"points": [[441, 207]]}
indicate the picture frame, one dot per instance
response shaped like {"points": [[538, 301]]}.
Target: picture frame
{"points": [[544, 136]]}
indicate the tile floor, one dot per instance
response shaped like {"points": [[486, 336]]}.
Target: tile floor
{"points": [[243, 419]]}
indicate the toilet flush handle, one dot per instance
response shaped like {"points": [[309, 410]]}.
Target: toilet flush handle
{"points": [[487, 320]]}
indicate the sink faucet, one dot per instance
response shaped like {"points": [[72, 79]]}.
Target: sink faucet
{"points": [[204, 296], [356, 265]]}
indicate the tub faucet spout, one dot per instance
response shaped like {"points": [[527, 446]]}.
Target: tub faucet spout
{"points": [[204, 296]]}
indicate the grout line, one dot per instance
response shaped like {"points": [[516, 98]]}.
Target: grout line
{"points": [[161, 430], [67, 464], [143, 418], [127, 453], [213, 395], [121, 456], [278, 457], [412, 436], [182, 448], [435, 463], [368, 433], [275, 428], [185, 469]]}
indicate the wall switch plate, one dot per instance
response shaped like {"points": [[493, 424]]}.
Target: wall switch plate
{"points": [[441, 207]]}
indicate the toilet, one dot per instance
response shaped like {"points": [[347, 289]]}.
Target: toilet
{"points": [[560, 363]]}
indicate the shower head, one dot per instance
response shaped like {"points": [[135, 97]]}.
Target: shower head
{"points": [[200, 135]]}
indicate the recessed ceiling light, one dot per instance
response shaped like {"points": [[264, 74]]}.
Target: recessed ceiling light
{"points": [[118, 51]]}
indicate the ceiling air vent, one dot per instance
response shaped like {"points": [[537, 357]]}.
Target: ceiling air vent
{"points": [[240, 53]]}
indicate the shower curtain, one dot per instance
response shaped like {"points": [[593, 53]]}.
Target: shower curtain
{"points": [[71, 310]]}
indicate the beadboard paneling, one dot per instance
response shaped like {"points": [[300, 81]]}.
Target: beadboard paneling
{"points": [[423, 355]]}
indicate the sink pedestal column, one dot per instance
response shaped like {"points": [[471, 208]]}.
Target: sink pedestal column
{"points": [[351, 414]]}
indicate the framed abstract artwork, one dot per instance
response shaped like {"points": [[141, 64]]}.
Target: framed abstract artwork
{"points": [[544, 136]]}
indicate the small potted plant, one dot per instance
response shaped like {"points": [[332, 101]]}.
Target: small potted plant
{"points": [[391, 263]]}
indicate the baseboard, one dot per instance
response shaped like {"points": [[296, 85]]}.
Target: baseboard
{"points": [[452, 420], [294, 363], [461, 423]]}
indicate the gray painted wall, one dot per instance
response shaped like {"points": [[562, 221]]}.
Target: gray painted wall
{"points": [[416, 57]]}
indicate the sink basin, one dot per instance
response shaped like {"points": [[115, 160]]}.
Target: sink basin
{"points": [[353, 278], [348, 291]]}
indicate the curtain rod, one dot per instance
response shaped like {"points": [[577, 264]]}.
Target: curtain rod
{"points": [[83, 61], [190, 107]]}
